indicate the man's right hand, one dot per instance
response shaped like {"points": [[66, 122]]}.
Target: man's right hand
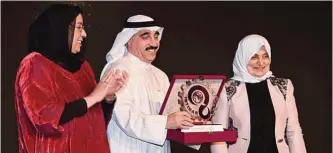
{"points": [[179, 120]]}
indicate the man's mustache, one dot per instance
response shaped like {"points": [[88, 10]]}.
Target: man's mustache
{"points": [[151, 47]]}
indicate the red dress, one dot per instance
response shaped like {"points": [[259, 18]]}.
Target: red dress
{"points": [[42, 88]]}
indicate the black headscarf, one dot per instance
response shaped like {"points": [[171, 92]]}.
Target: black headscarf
{"points": [[49, 35]]}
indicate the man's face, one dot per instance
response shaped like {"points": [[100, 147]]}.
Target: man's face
{"points": [[259, 63], [79, 34], [144, 45]]}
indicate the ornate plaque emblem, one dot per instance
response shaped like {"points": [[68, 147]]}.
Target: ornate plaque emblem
{"points": [[198, 99]]}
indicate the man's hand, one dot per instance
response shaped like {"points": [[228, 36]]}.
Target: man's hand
{"points": [[179, 120], [208, 122], [202, 122]]}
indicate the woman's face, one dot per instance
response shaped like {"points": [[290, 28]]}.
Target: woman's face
{"points": [[259, 64], [79, 34]]}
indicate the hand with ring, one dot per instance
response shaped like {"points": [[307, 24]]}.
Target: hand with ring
{"points": [[120, 79], [111, 82]]}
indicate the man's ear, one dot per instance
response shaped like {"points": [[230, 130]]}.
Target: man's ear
{"points": [[129, 45], [130, 42]]}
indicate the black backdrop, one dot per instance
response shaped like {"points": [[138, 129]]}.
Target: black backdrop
{"points": [[199, 38]]}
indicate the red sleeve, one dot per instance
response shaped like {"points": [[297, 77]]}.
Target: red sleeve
{"points": [[39, 100]]}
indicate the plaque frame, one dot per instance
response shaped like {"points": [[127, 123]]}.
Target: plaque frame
{"points": [[228, 135]]}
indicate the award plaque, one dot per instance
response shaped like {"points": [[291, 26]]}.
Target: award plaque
{"points": [[198, 95]]}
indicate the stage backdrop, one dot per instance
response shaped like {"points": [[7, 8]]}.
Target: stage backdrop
{"points": [[199, 38]]}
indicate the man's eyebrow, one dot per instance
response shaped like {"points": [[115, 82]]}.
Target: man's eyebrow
{"points": [[145, 33]]}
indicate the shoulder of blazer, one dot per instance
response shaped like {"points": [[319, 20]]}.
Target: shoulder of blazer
{"points": [[231, 88], [282, 84]]}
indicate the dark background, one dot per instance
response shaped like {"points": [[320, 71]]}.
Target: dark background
{"points": [[199, 38]]}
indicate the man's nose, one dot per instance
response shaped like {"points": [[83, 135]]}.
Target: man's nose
{"points": [[153, 41]]}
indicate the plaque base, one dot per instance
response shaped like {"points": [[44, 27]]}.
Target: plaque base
{"points": [[201, 137], [204, 128]]}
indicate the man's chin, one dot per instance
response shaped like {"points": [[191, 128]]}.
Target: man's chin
{"points": [[150, 59]]}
